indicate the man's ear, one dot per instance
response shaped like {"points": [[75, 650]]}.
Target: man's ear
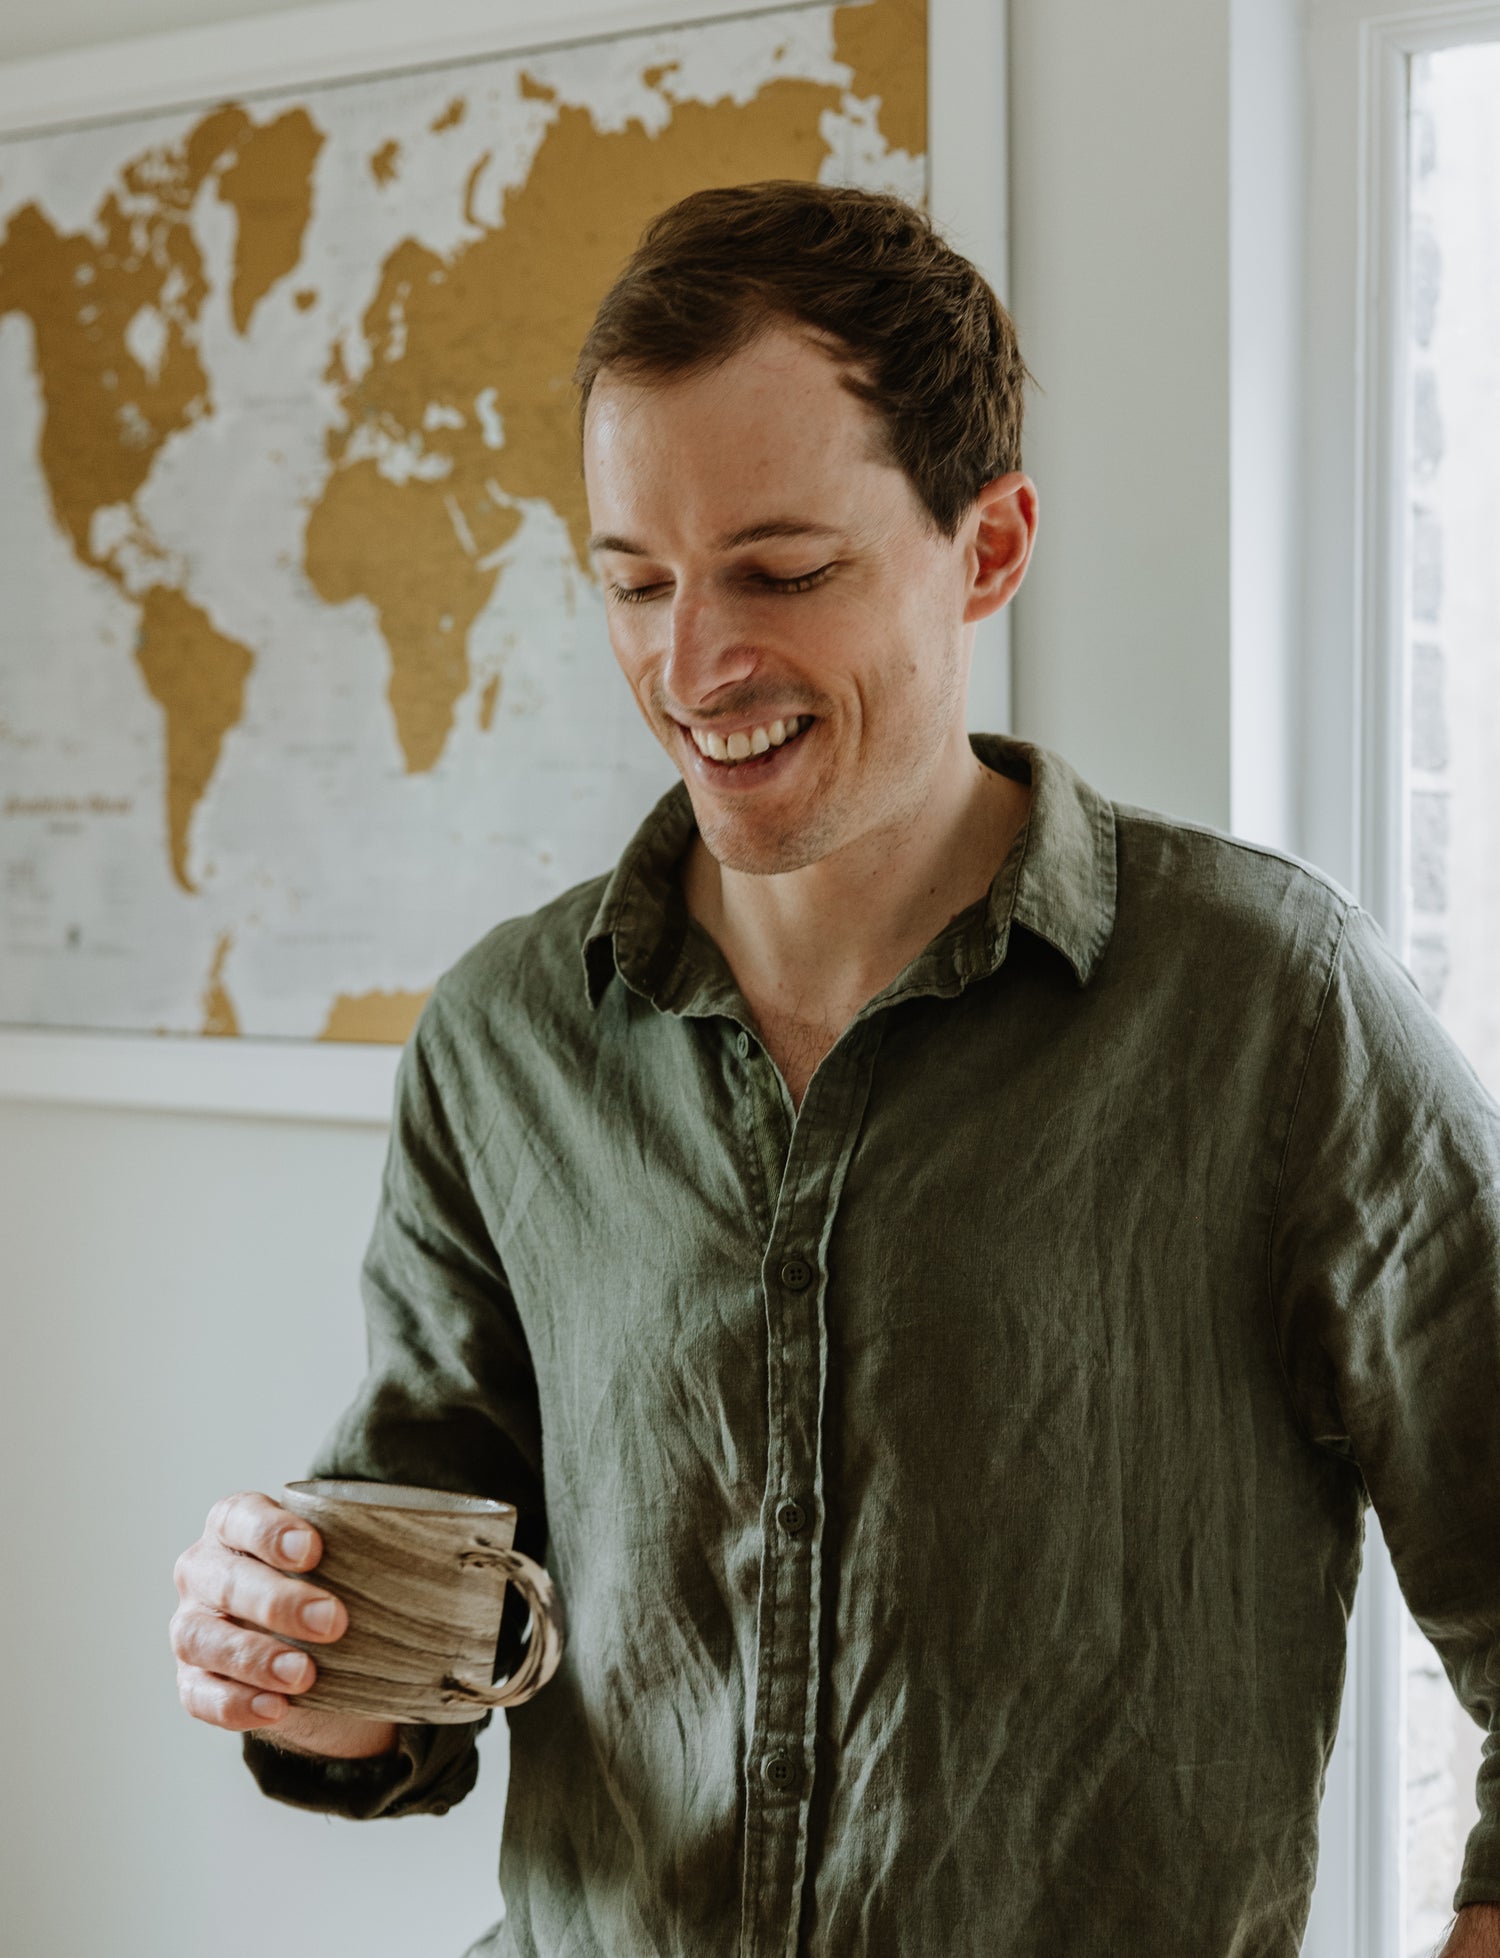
{"points": [[1003, 523]]}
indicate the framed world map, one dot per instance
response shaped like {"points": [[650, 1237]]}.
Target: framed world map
{"points": [[304, 679]]}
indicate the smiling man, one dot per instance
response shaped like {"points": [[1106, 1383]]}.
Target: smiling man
{"points": [[807, 669], [943, 1261]]}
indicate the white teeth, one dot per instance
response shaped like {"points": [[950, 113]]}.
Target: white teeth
{"points": [[741, 745]]}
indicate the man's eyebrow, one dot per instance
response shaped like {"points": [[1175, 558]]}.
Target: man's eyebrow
{"points": [[757, 533], [733, 540], [602, 541]]}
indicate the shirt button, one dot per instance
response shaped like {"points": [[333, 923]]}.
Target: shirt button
{"points": [[778, 1771], [792, 1517], [796, 1274], [742, 1045]]}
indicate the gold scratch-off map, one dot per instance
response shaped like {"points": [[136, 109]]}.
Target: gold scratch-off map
{"points": [[304, 681]]}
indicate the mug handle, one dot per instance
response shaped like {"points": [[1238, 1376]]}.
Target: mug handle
{"points": [[545, 1646]]}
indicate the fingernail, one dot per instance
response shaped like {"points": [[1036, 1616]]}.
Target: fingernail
{"points": [[295, 1545], [268, 1705], [320, 1615], [290, 1666]]}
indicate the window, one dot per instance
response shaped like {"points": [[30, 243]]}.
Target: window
{"points": [[1400, 761], [1451, 870]]}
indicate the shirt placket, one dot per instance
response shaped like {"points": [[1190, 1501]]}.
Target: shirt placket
{"points": [[795, 1283]]}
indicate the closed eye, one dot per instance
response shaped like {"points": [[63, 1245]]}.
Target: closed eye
{"points": [[761, 580], [805, 582]]}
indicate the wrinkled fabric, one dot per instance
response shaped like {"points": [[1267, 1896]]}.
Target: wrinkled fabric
{"points": [[958, 1488]]}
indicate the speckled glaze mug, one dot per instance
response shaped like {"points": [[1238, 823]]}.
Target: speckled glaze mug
{"points": [[422, 1574]]}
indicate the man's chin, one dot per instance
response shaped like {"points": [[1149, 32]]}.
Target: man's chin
{"points": [[739, 843]]}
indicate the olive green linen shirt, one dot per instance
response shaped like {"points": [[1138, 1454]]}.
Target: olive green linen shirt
{"points": [[957, 1488]]}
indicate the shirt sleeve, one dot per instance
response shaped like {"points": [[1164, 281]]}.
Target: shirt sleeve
{"points": [[448, 1402], [429, 1770], [1385, 1281]]}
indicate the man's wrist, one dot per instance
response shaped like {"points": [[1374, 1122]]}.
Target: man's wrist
{"points": [[332, 1737]]}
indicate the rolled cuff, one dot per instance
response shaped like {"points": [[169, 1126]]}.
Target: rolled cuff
{"points": [[425, 1773]]}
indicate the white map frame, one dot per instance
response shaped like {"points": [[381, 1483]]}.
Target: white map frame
{"points": [[346, 1081]]}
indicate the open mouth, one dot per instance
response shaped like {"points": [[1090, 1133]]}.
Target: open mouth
{"points": [[749, 748]]}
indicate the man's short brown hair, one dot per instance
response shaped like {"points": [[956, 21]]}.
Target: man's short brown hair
{"points": [[927, 343]]}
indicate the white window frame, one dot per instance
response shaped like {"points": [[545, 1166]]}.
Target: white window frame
{"points": [[1351, 763], [351, 1081]]}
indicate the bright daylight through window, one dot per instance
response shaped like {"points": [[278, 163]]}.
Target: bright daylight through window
{"points": [[1453, 752]]}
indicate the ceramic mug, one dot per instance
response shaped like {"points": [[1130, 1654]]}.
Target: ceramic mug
{"points": [[422, 1574]]}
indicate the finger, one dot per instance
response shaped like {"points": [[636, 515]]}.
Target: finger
{"points": [[261, 1528], [224, 1703], [240, 1586], [204, 1640]]}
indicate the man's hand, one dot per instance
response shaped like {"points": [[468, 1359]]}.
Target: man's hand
{"points": [[233, 1670], [1475, 1933]]}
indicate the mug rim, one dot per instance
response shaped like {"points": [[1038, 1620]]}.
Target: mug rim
{"points": [[406, 1497]]}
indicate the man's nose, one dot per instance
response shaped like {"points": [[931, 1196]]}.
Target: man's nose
{"points": [[706, 645]]}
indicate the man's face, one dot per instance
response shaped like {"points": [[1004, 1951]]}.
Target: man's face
{"points": [[763, 562]]}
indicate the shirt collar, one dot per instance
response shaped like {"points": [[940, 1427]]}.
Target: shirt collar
{"points": [[1058, 882]]}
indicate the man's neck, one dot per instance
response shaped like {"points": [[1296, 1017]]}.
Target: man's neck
{"points": [[887, 898]]}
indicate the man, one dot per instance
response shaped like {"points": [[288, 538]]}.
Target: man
{"points": [[940, 1260]]}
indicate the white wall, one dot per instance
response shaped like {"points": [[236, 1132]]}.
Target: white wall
{"points": [[179, 1320], [1154, 152], [1267, 112], [45, 26], [1120, 292], [178, 1306]]}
